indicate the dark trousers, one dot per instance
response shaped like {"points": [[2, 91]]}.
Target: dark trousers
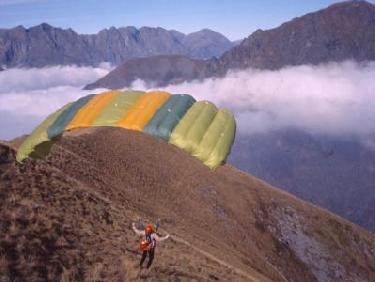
{"points": [[151, 254]]}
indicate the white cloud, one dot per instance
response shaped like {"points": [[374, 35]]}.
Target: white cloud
{"points": [[334, 99], [337, 99], [18, 80], [29, 95]]}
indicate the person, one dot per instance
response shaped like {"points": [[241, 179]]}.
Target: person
{"points": [[148, 242]]}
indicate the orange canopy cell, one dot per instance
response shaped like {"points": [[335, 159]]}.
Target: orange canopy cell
{"points": [[141, 113], [88, 113]]}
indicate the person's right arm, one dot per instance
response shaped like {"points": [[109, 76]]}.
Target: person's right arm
{"points": [[136, 230]]}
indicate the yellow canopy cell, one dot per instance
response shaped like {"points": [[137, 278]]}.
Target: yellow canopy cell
{"points": [[38, 136], [89, 112], [143, 110], [116, 109]]}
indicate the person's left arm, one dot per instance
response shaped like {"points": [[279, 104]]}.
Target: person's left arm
{"points": [[161, 238]]}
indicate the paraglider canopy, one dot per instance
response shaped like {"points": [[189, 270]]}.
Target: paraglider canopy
{"points": [[199, 128]]}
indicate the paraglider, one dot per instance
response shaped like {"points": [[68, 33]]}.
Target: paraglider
{"points": [[148, 242], [199, 128]]}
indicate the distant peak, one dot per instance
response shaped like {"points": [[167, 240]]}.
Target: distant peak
{"points": [[19, 27], [152, 28], [206, 30], [42, 26], [351, 3], [46, 26], [207, 33]]}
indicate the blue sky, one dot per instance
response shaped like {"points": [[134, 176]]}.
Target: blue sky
{"points": [[233, 18]]}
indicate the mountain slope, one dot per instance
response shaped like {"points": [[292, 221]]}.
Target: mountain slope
{"points": [[340, 32], [330, 172], [159, 70], [45, 45], [68, 217]]}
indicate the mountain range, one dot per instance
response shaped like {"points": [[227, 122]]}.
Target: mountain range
{"points": [[68, 217], [343, 31], [45, 45]]}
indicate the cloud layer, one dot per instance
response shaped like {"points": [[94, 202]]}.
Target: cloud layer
{"points": [[29, 95], [335, 99]]}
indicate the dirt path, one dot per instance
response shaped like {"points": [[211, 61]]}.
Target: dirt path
{"points": [[219, 261]]}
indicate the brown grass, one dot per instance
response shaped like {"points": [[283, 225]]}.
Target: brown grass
{"points": [[68, 218]]}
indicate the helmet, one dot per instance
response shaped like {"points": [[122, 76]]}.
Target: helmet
{"points": [[149, 229]]}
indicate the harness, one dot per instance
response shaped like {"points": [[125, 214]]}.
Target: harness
{"points": [[147, 243]]}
